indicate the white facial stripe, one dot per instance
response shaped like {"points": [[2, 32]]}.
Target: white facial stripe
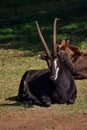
{"points": [[57, 69], [55, 63], [56, 73]]}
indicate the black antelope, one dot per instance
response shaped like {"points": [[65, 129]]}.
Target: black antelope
{"points": [[52, 85]]}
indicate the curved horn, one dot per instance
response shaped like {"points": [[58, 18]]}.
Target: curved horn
{"points": [[54, 37], [42, 40]]}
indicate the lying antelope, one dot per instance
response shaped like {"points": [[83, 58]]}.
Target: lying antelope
{"points": [[52, 85], [77, 58]]}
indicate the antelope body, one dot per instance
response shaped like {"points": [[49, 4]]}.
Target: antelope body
{"points": [[52, 85], [77, 58]]}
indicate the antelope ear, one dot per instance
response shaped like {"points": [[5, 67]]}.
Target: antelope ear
{"points": [[62, 45], [67, 42], [42, 57]]}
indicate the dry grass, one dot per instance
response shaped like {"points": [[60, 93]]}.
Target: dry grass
{"points": [[13, 64]]}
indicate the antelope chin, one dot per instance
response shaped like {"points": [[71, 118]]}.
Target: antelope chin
{"points": [[53, 77]]}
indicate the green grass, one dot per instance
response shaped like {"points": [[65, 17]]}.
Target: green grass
{"points": [[20, 45]]}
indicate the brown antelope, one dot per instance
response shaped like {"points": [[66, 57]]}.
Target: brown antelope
{"points": [[52, 85], [77, 58]]}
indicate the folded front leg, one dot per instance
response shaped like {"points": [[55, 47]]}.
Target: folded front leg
{"points": [[46, 101]]}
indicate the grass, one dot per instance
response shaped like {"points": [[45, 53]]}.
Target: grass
{"points": [[20, 46]]}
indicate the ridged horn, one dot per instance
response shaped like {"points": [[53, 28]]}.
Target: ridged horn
{"points": [[54, 37], [42, 40]]}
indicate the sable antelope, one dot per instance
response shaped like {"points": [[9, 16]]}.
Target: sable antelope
{"points": [[52, 85], [77, 58]]}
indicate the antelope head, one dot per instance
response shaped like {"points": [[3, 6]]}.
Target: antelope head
{"points": [[65, 46], [51, 59]]}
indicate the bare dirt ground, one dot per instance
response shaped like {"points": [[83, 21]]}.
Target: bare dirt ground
{"points": [[43, 119]]}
